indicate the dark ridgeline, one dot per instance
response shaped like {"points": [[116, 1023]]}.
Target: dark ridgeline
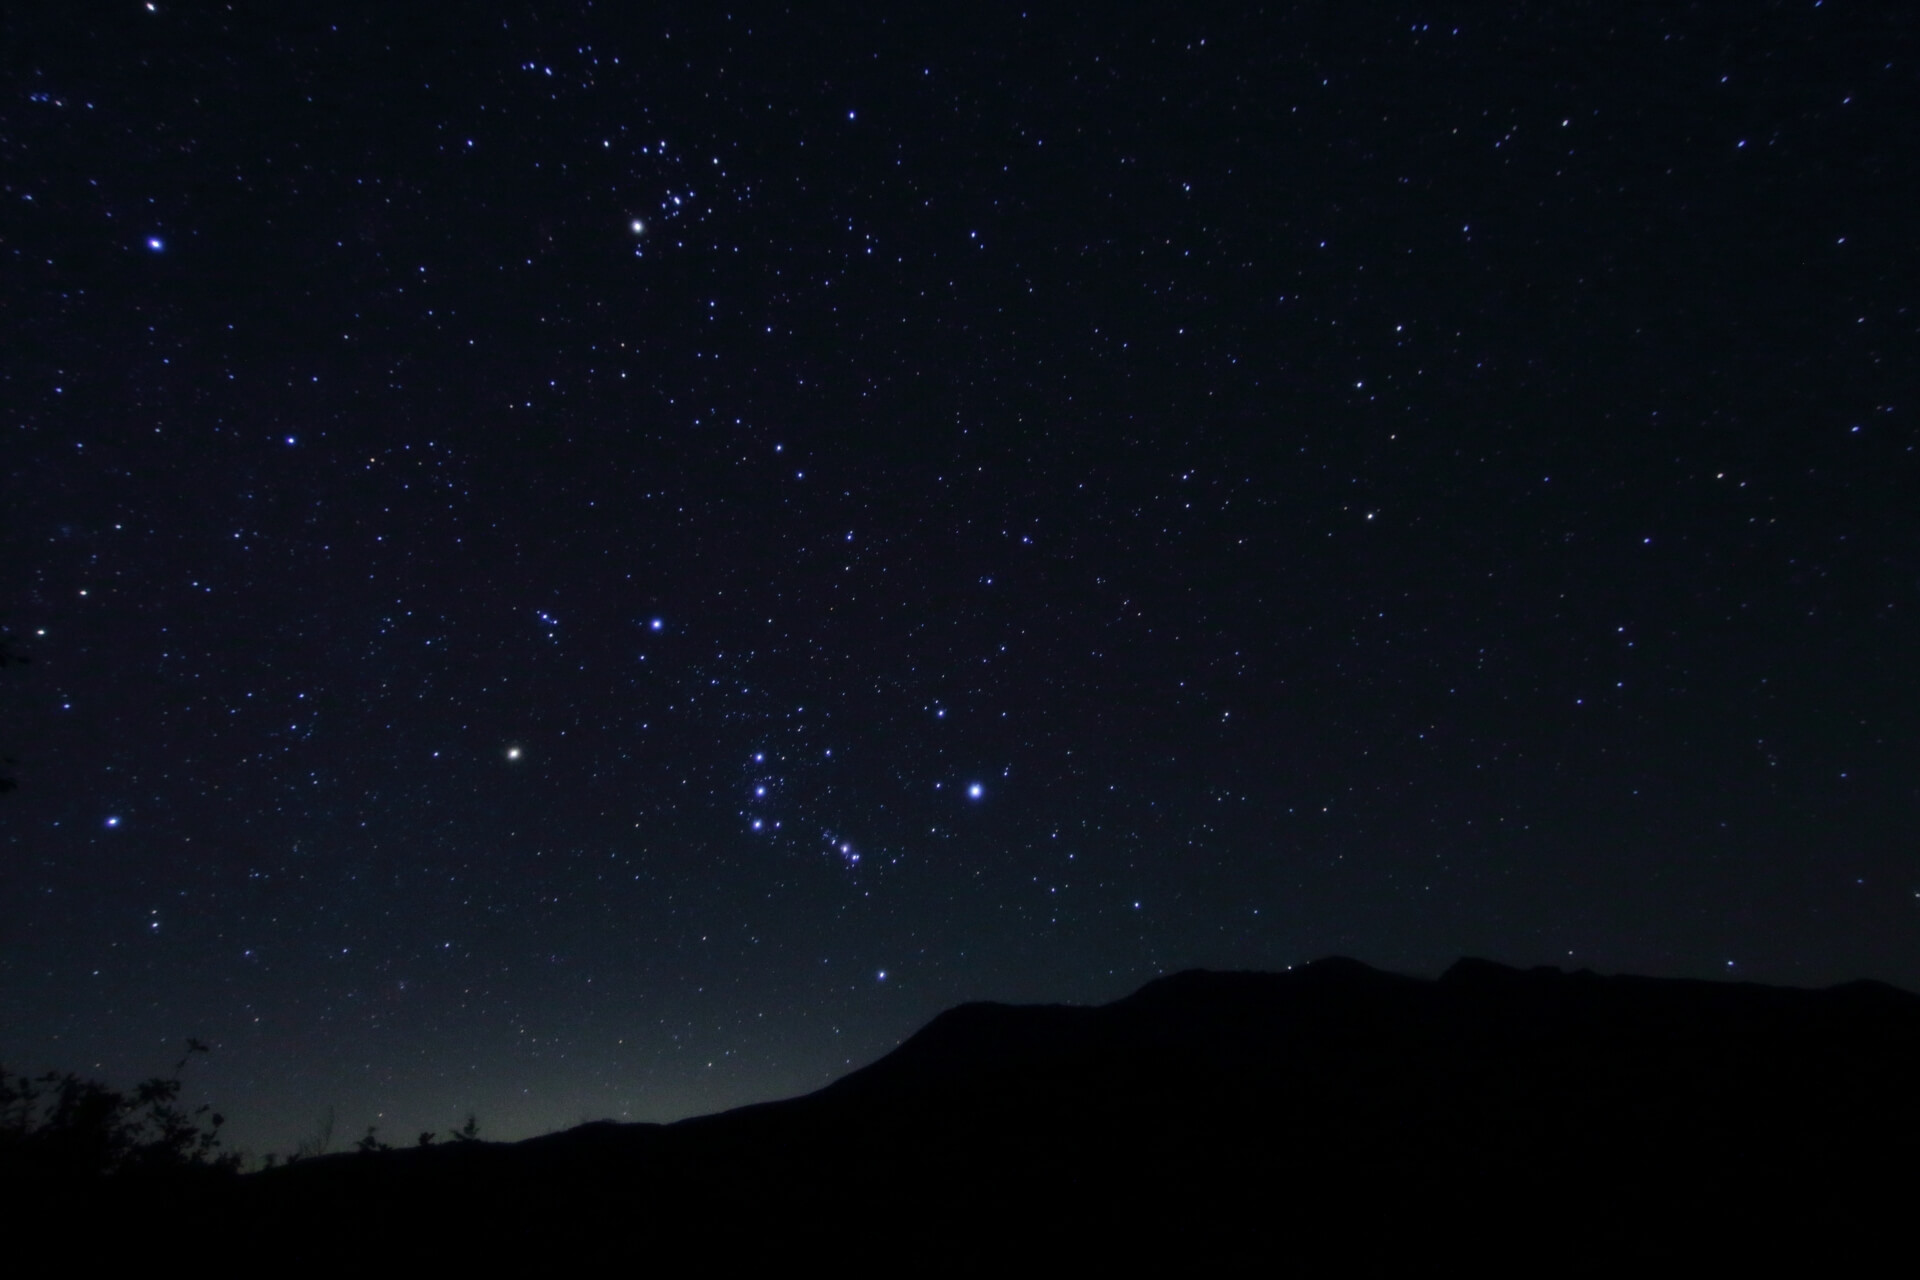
{"points": [[1330, 1113]]}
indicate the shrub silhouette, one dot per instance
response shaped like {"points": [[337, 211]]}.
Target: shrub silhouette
{"points": [[59, 1127], [318, 1143]]}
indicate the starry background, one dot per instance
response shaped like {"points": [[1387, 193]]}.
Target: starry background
{"points": [[614, 560]]}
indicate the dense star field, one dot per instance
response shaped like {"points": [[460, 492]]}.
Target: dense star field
{"points": [[594, 560]]}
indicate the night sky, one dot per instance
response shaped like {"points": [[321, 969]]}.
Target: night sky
{"points": [[601, 560]]}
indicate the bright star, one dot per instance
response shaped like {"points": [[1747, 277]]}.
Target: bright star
{"points": [[975, 791], [639, 227]]}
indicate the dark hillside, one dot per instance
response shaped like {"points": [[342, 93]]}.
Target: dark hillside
{"points": [[1330, 1111]]}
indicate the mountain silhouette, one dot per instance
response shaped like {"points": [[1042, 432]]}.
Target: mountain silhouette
{"points": [[1329, 1114]]}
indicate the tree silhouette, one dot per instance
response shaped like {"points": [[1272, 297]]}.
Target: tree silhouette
{"points": [[59, 1127]]}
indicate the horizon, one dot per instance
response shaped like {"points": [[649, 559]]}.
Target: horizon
{"points": [[343, 1133]]}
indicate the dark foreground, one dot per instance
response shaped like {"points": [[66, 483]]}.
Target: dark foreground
{"points": [[1333, 1115]]}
